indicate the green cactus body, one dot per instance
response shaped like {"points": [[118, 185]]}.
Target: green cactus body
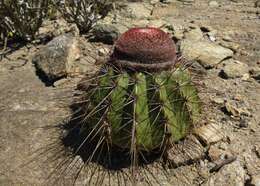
{"points": [[141, 108]]}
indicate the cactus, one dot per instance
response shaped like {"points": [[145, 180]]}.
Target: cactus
{"points": [[143, 99]]}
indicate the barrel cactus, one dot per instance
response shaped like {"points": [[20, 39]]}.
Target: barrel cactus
{"points": [[143, 99]]}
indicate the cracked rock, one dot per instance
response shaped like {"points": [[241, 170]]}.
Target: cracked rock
{"points": [[210, 133]]}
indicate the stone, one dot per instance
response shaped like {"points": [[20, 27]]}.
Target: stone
{"points": [[255, 181], [106, 33], [166, 11], [153, 2], [235, 47], [139, 23], [210, 133], [194, 34], [197, 68], [232, 174], [138, 10], [246, 77], [158, 23], [92, 56], [187, 1], [190, 150], [213, 4], [233, 69], [255, 73], [214, 153], [236, 110], [177, 30], [206, 53], [53, 60], [174, 30], [218, 100], [103, 52], [165, 1]]}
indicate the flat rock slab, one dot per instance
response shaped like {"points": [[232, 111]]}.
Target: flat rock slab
{"points": [[206, 53]]}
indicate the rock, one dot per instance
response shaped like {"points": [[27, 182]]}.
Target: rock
{"points": [[158, 23], [216, 154], [138, 10], [139, 23], [218, 100], [233, 69], [177, 30], [54, 59], [210, 133], [103, 52], [166, 1], [174, 30], [236, 110], [66, 82], [211, 37], [92, 56], [213, 4], [257, 151], [246, 77], [197, 68], [153, 2], [232, 174], [207, 53], [194, 34], [235, 47], [187, 1], [255, 180], [106, 33], [190, 150], [255, 73], [166, 11]]}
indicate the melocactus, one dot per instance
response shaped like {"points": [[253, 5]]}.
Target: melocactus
{"points": [[142, 99]]}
